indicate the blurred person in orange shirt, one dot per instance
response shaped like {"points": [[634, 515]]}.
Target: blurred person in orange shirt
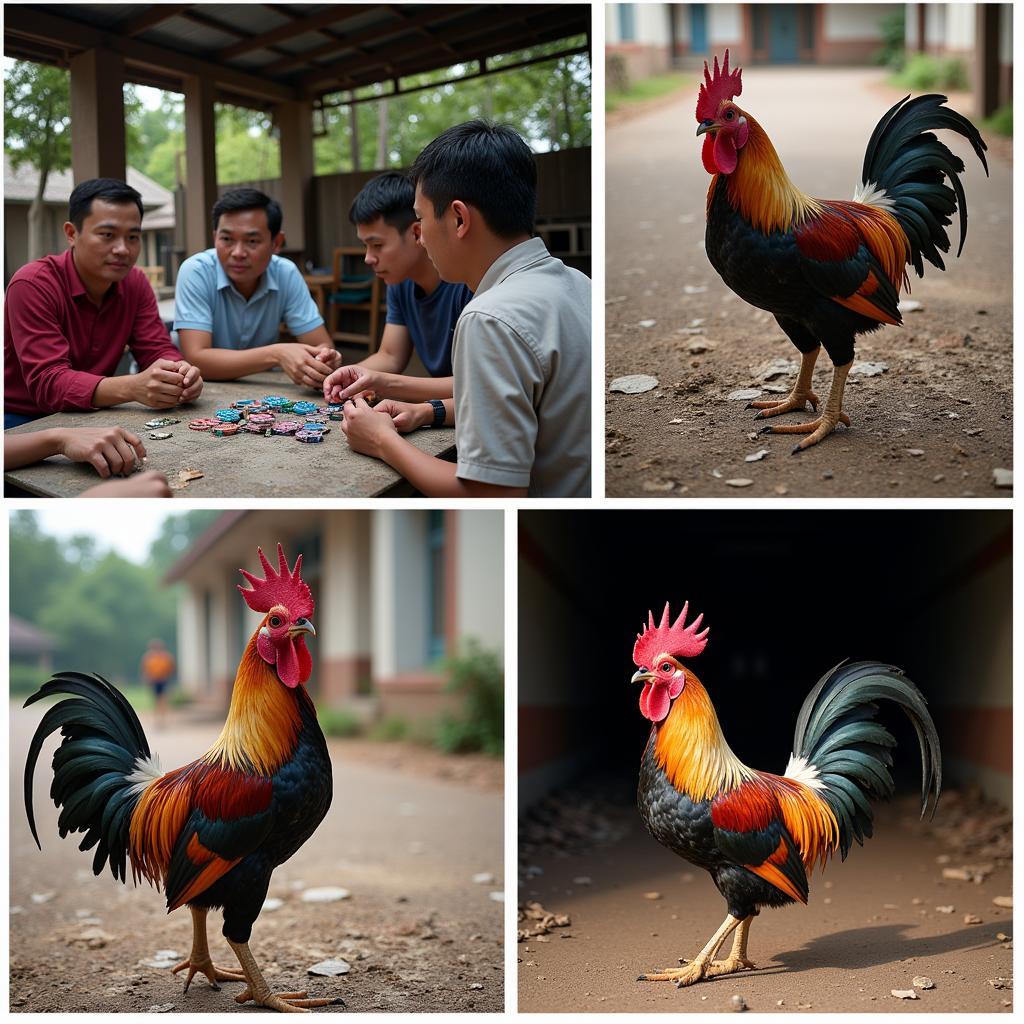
{"points": [[157, 668]]}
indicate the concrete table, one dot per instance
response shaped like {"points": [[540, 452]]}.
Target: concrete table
{"points": [[242, 466]]}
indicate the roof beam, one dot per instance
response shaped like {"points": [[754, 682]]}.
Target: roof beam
{"points": [[22, 21], [297, 27]]}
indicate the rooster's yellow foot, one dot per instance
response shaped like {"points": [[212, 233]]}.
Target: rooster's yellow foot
{"points": [[681, 976], [795, 401], [286, 1002], [731, 965], [199, 965], [816, 429]]}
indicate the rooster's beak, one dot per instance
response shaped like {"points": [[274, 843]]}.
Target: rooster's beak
{"points": [[302, 626], [642, 676], [706, 126]]}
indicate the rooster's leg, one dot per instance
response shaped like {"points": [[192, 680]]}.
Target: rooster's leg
{"points": [[258, 991], [199, 961], [798, 397], [737, 959], [698, 967], [826, 422]]}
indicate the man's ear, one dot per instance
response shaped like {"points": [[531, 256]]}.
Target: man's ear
{"points": [[278, 242], [463, 218], [417, 231], [70, 232]]}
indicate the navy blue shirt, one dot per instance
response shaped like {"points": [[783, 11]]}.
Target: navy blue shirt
{"points": [[430, 320]]}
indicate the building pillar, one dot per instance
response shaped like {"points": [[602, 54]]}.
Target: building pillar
{"points": [[97, 116], [986, 59], [294, 121], [200, 162]]}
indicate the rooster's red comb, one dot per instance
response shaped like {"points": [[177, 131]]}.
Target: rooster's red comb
{"points": [[676, 639], [724, 86], [283, 587]]}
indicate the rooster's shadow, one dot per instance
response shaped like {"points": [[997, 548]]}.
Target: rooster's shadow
{"points": [[880, 944]]}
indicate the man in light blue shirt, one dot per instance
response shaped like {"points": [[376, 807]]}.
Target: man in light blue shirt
{"points": [[230, 300]]}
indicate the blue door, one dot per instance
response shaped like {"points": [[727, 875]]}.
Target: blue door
{"points": [[782, 34], [698, 29]]}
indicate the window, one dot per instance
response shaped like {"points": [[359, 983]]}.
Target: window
{"points": [[627, 26], [436, 592]]}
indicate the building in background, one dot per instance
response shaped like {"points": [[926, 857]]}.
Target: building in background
{"points": [[20, 186], [648, 39], [395, 592], [30, 647]]}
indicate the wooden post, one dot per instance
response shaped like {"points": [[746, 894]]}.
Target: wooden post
{"points": [[97, 115], [294, 120], [200, 162], [986, 59]]}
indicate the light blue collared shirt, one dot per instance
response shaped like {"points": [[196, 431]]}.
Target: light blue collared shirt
{"points": [[205, 300]]}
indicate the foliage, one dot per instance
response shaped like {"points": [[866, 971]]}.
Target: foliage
{"points": [[647, 89], [1001, 121], [37, 116], [25, 679], [389, 730], [924, 71], [339, 722], [891, 53], [177, 533], [478, 677]]}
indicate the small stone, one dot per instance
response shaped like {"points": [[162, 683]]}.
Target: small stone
{"points": [[827, 474], [739, 482], [694, 289], [634, 384], [910, 306], [957, 874], [1000, 478], [938, 478], [1003, 901], [476, 986], [325, 894], [42, 897], [697, 348], [781, 489], [868, 369], [946, 909], [921, 981], [757, 456], [161, 1008], [905, 993], [647, 323], [329, 968], [972, 919], [737, 1004], [496, 896], [744, 395], [652, 895], [483, 878], [676, 421], [916, 452]]}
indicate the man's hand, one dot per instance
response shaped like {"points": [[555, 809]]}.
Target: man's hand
{"points": [[303, 364], [150, 484], [366, 429], [191, 381], [159, 385], [407, 416], [111, 451], [329, 356], [349, 381]]}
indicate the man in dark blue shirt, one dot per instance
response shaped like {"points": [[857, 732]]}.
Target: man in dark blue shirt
{"points": [[422, 309]]}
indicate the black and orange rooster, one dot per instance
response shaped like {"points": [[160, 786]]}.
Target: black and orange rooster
{"points": [[758, 834], [828, 270], [211, 832]]}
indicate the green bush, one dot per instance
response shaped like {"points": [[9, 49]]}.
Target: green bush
{"points": [[26, 679], [891, 54], [924, 71], [1001, 122], [339, 722], [389, 730], [478, 677]]}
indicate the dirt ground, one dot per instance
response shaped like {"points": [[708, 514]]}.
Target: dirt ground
{"points": [[406, 833], [872, 925], [936, 423]]}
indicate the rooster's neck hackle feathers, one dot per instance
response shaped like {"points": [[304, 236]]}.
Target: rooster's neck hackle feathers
{"points": [[760, 189], [690, 748], [263, 721]]}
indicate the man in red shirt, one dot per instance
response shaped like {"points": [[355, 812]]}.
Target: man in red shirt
{"points": [[68, 318]]}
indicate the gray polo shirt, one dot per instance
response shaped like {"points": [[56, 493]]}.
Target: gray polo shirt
{"points": [[521, 359]]}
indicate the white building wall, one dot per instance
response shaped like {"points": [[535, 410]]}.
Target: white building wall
{"points": [[190, 644], [960, 26], [480, 554], [934, 25], [1006, 33], [398, 566], [344, 615], [650, 24], [725, 24], [856, 21]]}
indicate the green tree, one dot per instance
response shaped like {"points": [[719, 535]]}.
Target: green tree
{"points": [[37, 566], [177, 534], [37, 131]]}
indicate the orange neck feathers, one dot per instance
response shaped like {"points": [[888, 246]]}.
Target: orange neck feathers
{"points": [[691, 750], [263, 721], [760, 189]]}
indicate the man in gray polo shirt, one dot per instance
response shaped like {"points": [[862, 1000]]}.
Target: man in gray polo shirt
{"points": [[521, 355]]}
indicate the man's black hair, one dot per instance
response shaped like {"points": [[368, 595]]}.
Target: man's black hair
{"points": [[109, 189], [389, 196], [248, 199], [486, 165]]}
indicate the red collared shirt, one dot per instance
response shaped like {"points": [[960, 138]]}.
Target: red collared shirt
{"points": [[58, 346]]}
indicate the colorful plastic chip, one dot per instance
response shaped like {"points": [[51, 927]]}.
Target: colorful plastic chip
{"points": [[203, 424], [310, 436], [163, 421], [305, 408], [228, 415], [287, 427]]}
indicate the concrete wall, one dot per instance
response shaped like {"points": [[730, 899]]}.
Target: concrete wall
{"points": [[480, 560], [725, 24], [857, 22]]}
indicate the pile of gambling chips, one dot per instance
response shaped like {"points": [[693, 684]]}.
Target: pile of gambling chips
{"points": [[260, 416]]}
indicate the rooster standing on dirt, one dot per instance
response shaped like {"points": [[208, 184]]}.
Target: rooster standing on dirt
{"points": [[759, 834], [213, 831], [828, 270]]}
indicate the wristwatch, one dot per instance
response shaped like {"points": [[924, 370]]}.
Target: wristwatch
{"points": [[439, 412]]}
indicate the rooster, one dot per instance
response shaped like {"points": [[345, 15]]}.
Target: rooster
{"points": [[759, 835], [211, 832], [828, 270]]}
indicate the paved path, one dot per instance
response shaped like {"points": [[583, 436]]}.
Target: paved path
{"points": [[417, 931], [954, 357]]}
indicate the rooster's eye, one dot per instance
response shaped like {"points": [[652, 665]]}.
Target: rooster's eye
{"points": [[275, 621], [666, 667], [728, 115]]}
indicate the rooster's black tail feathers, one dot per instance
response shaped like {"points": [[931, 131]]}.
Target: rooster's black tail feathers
{"points": [[103, 742], [909, 163], [836, 732]]}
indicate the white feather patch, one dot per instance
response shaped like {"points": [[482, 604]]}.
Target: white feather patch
{"points": [[870, 194], [800, 769], [147, 771]]}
